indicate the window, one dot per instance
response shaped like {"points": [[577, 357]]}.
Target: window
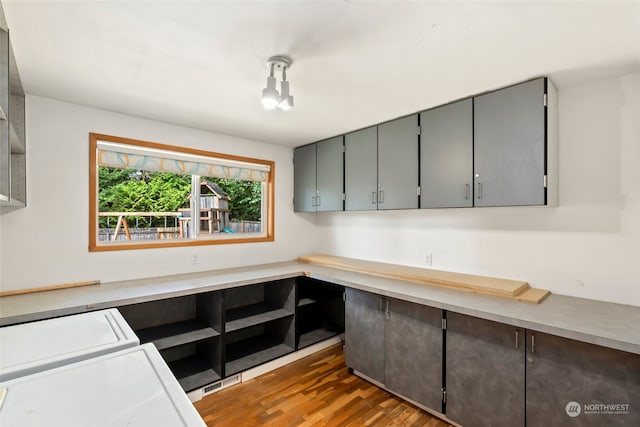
{"points": [[147, 195]]}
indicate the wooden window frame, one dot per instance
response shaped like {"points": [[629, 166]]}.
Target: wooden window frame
{"points": [[94, 246]]}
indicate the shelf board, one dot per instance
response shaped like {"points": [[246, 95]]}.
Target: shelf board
{"points": [[174, 334], [315, 336], [252, 352], [306, 301], [255, 314], [193, 372]]}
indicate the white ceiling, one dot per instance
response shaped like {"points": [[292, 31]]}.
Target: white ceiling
{"points": [[202, 64]]}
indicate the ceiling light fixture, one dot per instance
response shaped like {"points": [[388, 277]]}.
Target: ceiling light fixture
{"points": [[270, 96]]}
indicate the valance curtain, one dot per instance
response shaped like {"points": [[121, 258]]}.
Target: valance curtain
{"points": [[124, 156]]}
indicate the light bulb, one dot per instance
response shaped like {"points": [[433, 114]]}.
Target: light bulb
{"points": [[286, 100], [270, 96]]}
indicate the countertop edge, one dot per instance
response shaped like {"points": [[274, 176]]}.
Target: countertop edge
{"points": [[544, 317]]}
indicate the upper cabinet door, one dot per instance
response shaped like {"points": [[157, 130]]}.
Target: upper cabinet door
{"points": [[446, 156], [5, 149], [398, 164], [304, 179], [510, 146], [330, 174], [361, 170]]}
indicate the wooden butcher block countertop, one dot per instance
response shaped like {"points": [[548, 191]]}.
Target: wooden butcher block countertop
{"points": [[506, 288]]}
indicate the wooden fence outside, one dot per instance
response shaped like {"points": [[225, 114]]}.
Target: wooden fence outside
{"points": [[168, 233]]}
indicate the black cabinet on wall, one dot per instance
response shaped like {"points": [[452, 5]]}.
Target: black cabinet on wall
{"points": [[510, 145], [381, 166], [494, 149], [5, 148], [396, 343], [361, 170], [398, 163], [446, 156], [318, 176], [561, 371]]}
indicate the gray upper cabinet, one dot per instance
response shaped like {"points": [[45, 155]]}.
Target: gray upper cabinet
{"points": [[565, 377], [318, 176], [398, 164], [330, 174], [361, 170], [5, 148], [304, 177], [446, 156], [485, 372], [510, 146], [365, 333], [413, 360]]}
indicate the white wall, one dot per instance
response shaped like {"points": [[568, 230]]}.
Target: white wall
{"points": [[592, 237], [46, 243]]}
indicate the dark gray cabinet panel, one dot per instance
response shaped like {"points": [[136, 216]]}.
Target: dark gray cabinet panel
{"points": [[561, 371], [398, 164], [330, 174], [413, 361], [361, 170], [485, 372], [509, 146], [5, 148], [446, 156], [304, 179], [365, 333]]}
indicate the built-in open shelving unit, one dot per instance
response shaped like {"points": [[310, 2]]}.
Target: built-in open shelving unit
{"points": [[187, 332], [259, 324], [319, 311], [215, 335]]}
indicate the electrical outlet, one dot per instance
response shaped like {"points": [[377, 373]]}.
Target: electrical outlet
{"points": [[428, 259], [194, 258]]}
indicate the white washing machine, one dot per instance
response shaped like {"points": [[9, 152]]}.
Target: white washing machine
{"points": [[33, 347], [131, 387]]}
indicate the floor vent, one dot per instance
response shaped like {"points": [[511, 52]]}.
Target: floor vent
{"points": [[217, 386]]}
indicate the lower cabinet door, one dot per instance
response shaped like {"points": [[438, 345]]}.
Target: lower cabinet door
{"points": [[364, 333], [573, 383], [414, 352], [485, 372]]}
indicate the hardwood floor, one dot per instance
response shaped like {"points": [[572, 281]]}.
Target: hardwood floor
{"points": [[315, 391]]}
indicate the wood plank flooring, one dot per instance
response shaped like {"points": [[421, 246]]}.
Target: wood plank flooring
{"points": [[315, 391]]}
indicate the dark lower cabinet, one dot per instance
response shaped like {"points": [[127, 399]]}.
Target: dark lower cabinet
{"points": [[413, 358], [319, 311], [396, 343], [365, 333], [485, 372], [572, 383]]}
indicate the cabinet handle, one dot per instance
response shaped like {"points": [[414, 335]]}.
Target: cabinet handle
{"points": [[380, 303], [479, 190], [381, 196], [466, 191], [517, 338], [318, 200], [373, 197], [313, 201], [533, 343], [387, 314]]}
